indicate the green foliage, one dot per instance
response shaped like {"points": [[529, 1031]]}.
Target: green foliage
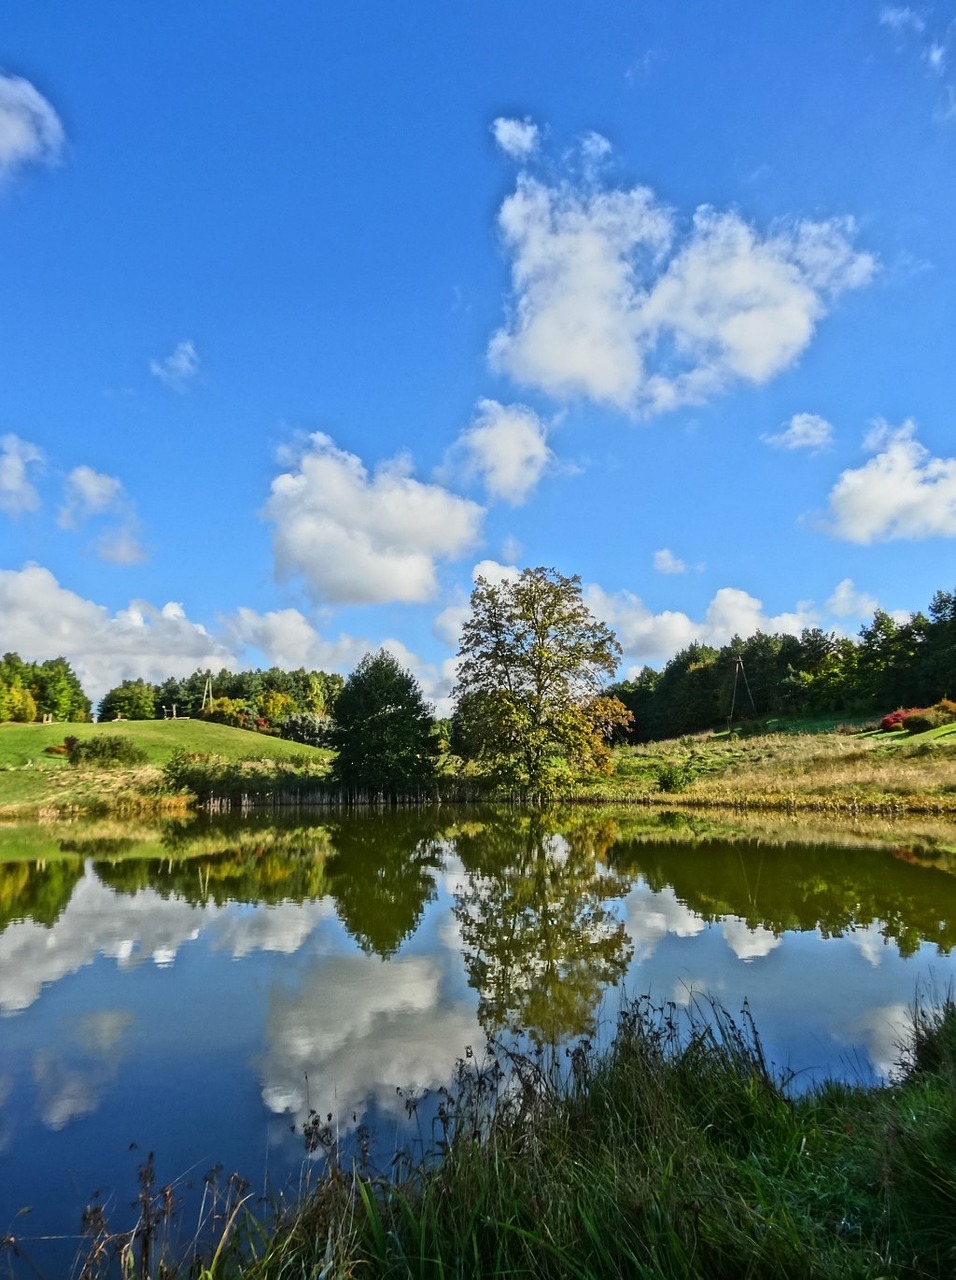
{"points": [[305, 727], [211, 777], [675, 775], [130, 700], [532, 660], [382, 732], [31, 690], [108, 751]]}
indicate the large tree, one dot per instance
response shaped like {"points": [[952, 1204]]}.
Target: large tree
{"points": [[533, 659], [383, 731]]}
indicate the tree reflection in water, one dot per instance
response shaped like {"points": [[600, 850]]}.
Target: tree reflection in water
{"points": [[381, 874], [540, 940]]}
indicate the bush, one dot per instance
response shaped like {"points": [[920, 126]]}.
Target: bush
{"points": [[304, 727], [675, 776], [108, 752], [920, 721], [895, 719]]}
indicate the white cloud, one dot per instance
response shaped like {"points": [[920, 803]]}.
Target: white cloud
{"points": [[516, 138], [17, 493], [576, 288], [666, 562], [288, 639], [652, 915], [179, 368], [803, 431], [30, 129], [88, 493], [42, 620], [648, 637], [611, 304], [361, 539], [902, 492], [901, 18], [120, 546], [847, 602], [507, 446]]}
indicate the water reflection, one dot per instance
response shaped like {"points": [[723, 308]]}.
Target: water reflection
{"points": [[381, 874], [540, 940], [198, 987]]}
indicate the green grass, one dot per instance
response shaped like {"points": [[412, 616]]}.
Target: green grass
{"points": [[33, 783], [160, 739]]}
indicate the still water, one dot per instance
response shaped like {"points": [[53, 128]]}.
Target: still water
{"points": [[195, 989]]}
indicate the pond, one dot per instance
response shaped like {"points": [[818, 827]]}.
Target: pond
{"points": [[198, 989]]}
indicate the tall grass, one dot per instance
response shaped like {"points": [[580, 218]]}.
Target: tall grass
{"points": [[675, 1154]]}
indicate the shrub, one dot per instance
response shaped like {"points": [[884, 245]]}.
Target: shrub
{"points": [[895, 719], [920, 721], [110, 751], [306, 728], [675, 776]]}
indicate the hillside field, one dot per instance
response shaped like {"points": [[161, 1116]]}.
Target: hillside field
{"points": [[32, 781]]}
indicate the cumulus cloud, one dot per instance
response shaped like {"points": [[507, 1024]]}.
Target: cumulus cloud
{"points": [[516, 138], [847, 602], [902, 492], [507, 446], [179, 368], [649, 637], [288, 639], [666, 562], [611, 302], [17, 492], [43, 619], [356, 538], [30, 130], [652, 915], [803, 431]]}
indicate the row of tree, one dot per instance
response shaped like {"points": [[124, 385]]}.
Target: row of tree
{"points": [[33, 690], [531, 706], [295, 704], [909, 663]]}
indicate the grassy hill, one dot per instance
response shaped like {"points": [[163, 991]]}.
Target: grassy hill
{"points": [[160, 739], [32, 782]]}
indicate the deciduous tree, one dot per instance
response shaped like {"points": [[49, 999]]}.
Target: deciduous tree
{"points": [[532, 661]]}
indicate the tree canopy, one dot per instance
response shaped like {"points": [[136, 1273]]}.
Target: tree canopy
{"points": [[532, 662], [383, 731]]}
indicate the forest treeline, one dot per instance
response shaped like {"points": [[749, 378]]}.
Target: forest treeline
{"points": [[891, 664], [294, 704], [32, 690]]}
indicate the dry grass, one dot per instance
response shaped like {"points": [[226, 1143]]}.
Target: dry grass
{"points": [[822, 772]]}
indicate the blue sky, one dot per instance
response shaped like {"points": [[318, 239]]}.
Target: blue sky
{"points": [[309, 312]]}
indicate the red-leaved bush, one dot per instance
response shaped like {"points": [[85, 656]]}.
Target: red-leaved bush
{"points": [[895, 719]]}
